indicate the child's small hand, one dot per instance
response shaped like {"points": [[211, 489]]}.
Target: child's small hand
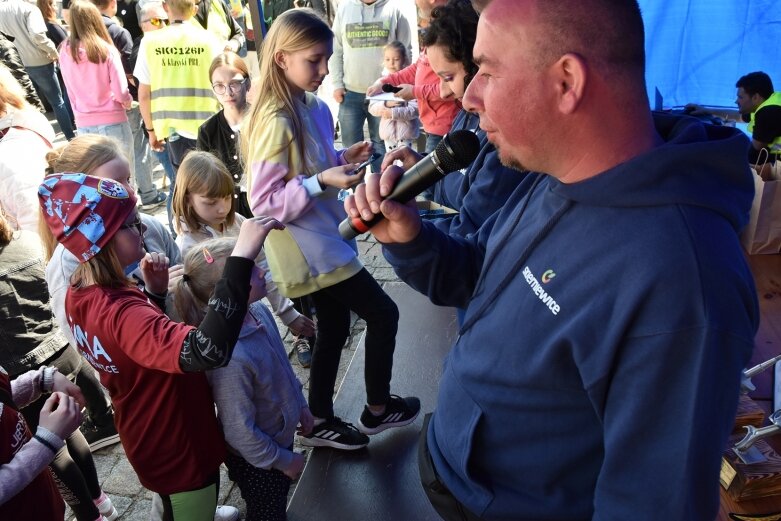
{"points": [[252, 234], [175, 273], [302, 326], [343, 176], [154, 269], [359, 152], [61, 415], [61, 384], [296, 466], [306, 423]]}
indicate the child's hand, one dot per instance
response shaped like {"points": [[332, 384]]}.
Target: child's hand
{"points": [[61, 384], [359, 152], [302, 326], [342, 176], [252, 234], [154, 269], [406, 93], [306, 423], [406, 155], [296, 466], [175, 273], [374, 89], [61, 415]]}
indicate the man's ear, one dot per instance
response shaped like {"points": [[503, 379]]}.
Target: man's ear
{"points": [[570, 74], [280, 58]]}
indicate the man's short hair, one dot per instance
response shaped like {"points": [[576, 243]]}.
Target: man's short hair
{"points": [[606, 33], [101, 4], [184, 7], [756, 83]]}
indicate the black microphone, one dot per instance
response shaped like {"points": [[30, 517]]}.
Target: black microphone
{"points": [[456, 151], [387, 87]]}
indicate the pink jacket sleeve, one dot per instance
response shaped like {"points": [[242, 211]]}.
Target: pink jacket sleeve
{"points": [[117, 77]]}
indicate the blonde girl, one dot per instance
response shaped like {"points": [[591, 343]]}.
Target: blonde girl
{"points": [[203, 210], [259, 399], [399, 125], [294, 174], [219, 134], [93, 74], [151, 365]]}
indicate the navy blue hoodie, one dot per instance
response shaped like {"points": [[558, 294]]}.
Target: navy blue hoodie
{"points": [[596, 375]]}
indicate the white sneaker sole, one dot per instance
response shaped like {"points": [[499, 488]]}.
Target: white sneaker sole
{"points": [[104, 442], [319, 442], [385, 426]]}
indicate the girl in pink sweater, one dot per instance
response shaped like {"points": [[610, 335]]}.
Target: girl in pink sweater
{"points": [[96, 82]]}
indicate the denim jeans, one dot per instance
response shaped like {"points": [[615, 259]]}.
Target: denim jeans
{"points": [[142, 157], [119, 131], [45, 79], [353, 111]]}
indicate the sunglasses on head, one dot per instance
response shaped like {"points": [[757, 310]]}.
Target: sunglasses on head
{"points": [[158, 22]]}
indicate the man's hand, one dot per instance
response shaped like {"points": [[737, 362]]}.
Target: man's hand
{"points": [[339, 95], [402, 221], [156, 144]]}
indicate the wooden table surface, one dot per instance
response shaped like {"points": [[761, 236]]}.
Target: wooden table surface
{"points": [[767, 276]]}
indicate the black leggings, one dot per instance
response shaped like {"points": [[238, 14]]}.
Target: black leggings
{"points": [[73, 468], [363, 295]]}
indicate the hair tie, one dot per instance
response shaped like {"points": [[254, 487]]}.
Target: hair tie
{"points": [[186, 278]]}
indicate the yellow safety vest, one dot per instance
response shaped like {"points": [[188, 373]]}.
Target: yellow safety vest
{"points": [[774, 99], [179, 57]]}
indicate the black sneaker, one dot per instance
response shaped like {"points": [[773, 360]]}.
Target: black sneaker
{"points": [[335, 433], [99, 437], [158, 200], [398, 412]]}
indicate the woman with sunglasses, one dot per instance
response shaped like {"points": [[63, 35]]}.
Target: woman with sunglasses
{"points": [[220, 133]]}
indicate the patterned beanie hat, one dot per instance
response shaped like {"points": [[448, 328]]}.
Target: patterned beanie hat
{"points": [[84, 212]]}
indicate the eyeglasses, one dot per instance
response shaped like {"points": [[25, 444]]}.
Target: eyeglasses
{"points": [[135, 223], [234, 86], [157, 22]]}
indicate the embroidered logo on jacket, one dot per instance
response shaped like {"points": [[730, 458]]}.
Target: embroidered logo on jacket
{"points": [[545, 297]]}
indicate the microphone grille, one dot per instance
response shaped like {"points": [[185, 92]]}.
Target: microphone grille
{"points": [[457, 150]]}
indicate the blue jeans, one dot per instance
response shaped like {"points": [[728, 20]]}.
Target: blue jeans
{"points": [[170, 173], [45, 78], [119, 131], [146, 189], [353, 111]]}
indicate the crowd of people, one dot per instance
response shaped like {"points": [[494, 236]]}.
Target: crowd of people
{"points": [[573, 221]]}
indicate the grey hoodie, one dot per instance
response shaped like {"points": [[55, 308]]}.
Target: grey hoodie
{"points": [[360, 33]]}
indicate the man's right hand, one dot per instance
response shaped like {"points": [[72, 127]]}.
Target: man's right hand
{"points": [[339, 95], [61, 415], [402, 221]]}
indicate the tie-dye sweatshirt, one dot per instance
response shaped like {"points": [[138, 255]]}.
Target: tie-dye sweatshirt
{"points": [[309, 254]]}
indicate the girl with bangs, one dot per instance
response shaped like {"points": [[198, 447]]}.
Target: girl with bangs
{"points": [[203, 209]]}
